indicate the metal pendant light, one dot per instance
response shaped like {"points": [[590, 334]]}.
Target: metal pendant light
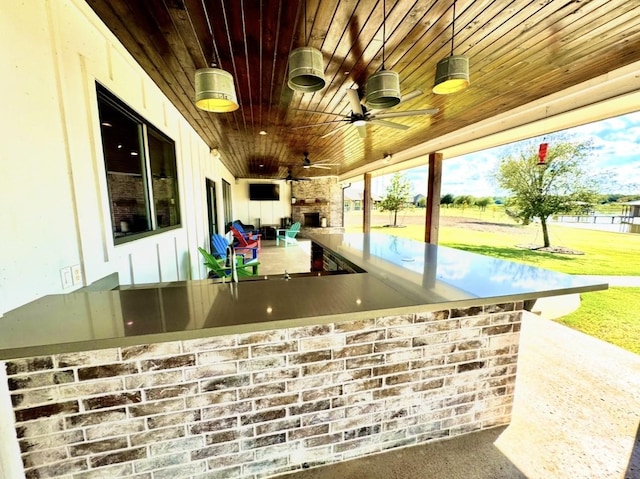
{"points": [[383, 87], [215, 90], [452, 72], [306, 69]]}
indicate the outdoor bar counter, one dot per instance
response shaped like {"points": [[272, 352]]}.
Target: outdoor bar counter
{"points": [[262, 377]]}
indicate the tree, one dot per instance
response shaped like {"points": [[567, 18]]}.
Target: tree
{"points": [[539, 191], [483, 202], [464, 201], [397, 197], [447, 199]]}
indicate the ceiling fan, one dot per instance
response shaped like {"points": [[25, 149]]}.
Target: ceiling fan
{"points": [[290, 177], [306, 163], [360, 115]]}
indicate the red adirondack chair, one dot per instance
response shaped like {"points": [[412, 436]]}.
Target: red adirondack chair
{"points": [[243, 242]]}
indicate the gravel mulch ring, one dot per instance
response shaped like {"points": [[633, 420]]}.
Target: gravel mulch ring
{"points": [[549, 249]]}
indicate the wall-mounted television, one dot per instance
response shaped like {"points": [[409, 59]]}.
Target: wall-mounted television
{"points": [[264, 192]]}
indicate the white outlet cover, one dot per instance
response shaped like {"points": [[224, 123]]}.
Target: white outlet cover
{"points": [[66, 278], [76, 274]]}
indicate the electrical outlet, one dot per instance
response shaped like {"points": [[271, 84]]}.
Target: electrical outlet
{"points": [[66, 278], [76, 273]]}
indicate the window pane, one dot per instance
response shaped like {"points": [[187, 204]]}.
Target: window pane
{"points": [[164, 179], [124, 160], [226, 204]]}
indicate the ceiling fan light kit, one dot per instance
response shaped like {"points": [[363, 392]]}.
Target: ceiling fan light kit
{"points": [[306, 73], [383, 90], [452, 72], [452, 75]]}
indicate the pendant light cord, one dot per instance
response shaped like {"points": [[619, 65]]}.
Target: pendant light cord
{"points": [[213, 42], [384, 34], [306, 40], [453, 26]]}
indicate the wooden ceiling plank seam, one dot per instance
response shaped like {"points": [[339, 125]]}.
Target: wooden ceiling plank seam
{"points": [[409, 33], [248, 68], [285, 95], [606, 26], [232, 58], [437, 49], [185, 31], [199, 30], [555, 61], [529, 36]]}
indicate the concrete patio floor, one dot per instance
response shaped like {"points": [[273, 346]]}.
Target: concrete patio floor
{"points": [[576, 412]]}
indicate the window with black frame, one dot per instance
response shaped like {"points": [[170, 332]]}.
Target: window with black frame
{"points": [[226, 204], [142, 178]]}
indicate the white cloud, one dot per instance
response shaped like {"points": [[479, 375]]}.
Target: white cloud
{"points": [[615, 157]]}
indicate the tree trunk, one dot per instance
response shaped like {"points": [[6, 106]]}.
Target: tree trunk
{"points": [[395, 217], [545, 232]]}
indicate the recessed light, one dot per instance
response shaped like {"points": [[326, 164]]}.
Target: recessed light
{"points": [[134, 153], [269, 310], [262, 132], [106, 123]]}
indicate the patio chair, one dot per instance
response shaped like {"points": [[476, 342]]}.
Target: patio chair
{"points": [[219, 270], [219, 248], [289, 236], [248, 235], [240, 242], [245, 229]]}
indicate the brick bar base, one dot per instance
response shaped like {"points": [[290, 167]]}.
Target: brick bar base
{"points": [[255, 405]]}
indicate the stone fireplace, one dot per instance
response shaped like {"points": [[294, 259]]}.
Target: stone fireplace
{"points": [[311, 220], [315, 200]]}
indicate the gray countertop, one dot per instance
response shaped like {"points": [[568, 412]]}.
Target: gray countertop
{"points": [[402, 276]]}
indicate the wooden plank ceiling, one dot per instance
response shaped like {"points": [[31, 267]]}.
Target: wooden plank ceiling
{"points": [[519, 51]]}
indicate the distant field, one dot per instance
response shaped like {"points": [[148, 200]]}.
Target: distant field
{"points": [[610, 315]]}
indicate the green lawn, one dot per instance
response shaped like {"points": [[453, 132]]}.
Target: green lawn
{"points": [[610, 315]]}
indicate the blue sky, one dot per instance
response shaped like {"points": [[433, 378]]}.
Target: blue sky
{"points": [[615, 155]]}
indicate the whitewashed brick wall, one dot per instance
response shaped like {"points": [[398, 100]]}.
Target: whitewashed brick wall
{"points": [[262, 404]]}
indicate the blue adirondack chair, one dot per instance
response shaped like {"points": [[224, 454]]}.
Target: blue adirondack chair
{"points": [[289, 235], [219, 248]]}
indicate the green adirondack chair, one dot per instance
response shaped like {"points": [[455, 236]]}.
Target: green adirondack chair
{"points": [[217, 266], [289, 236]]}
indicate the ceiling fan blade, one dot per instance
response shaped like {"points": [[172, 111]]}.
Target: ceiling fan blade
{"points": [[390, 124], [411, 95], [397, 114], [299, 127], [354, 101], [362, 131], [336, 130], [323, 167]]}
